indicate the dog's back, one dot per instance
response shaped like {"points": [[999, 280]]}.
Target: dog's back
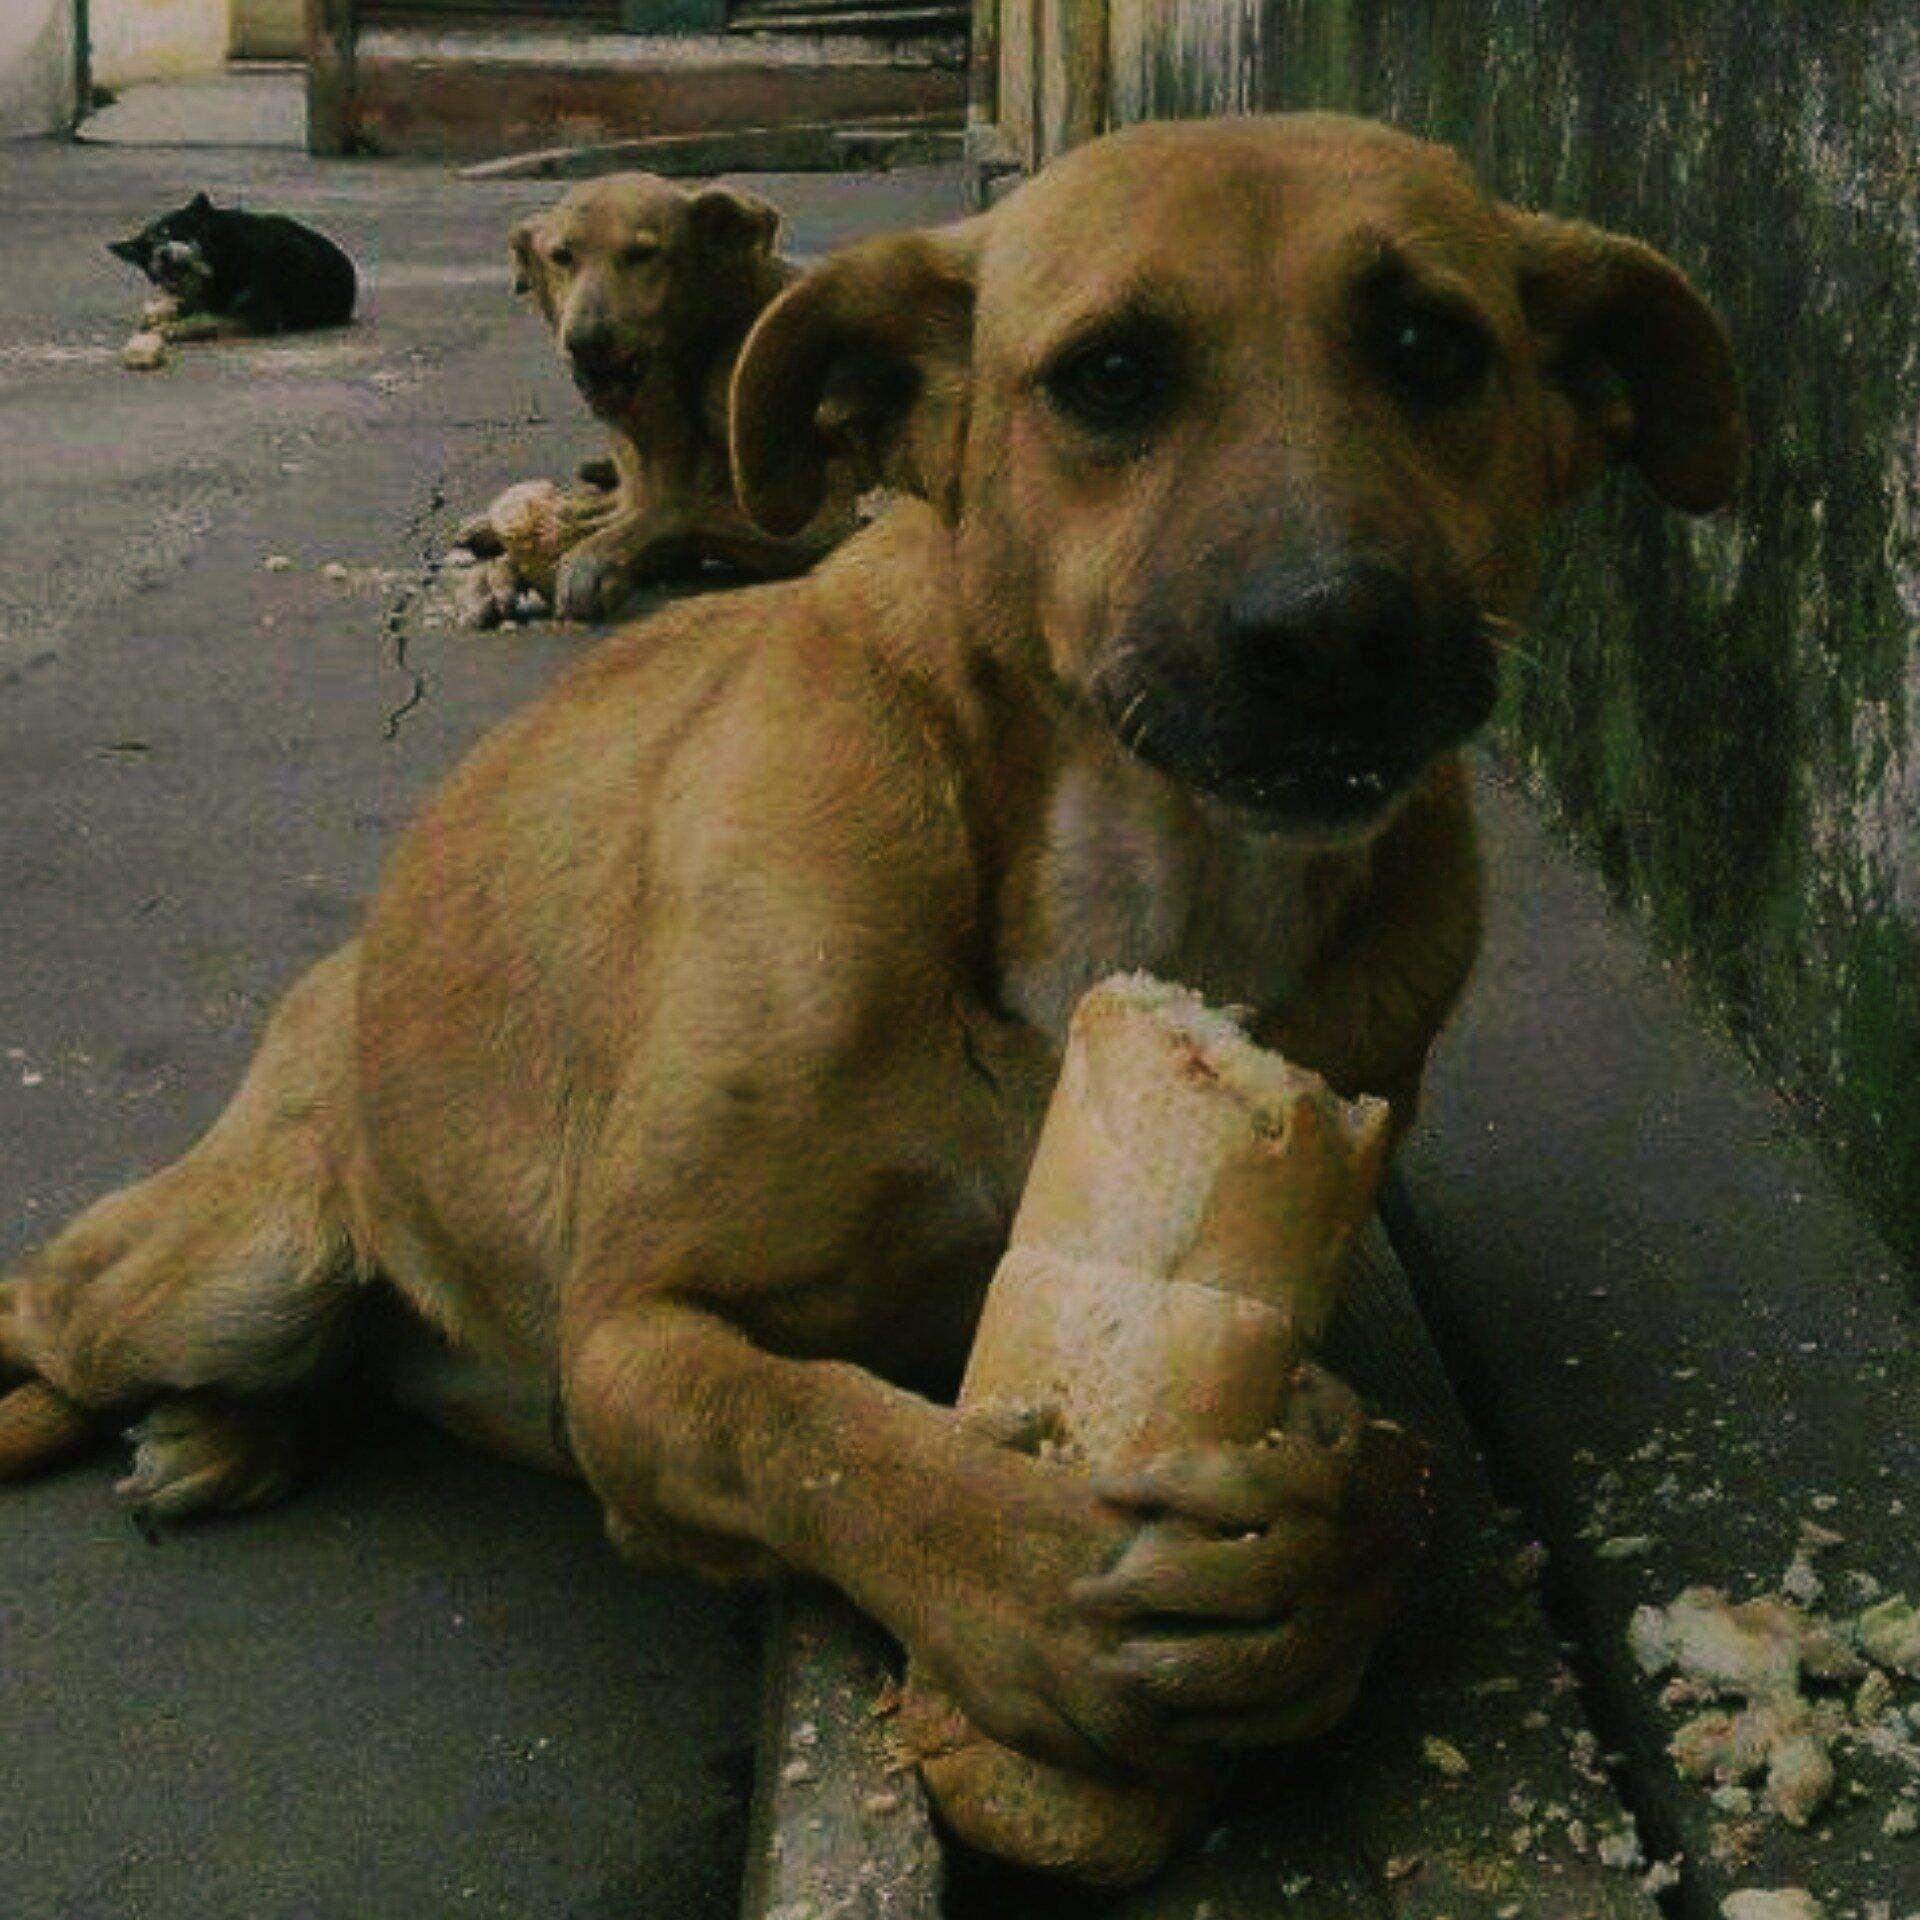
{"points": [[280, 269]]}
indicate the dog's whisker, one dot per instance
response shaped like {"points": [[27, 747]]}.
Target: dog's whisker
{"points": [[1127, 713]]}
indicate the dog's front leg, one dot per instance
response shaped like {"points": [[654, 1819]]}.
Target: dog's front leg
{"points": [[712, 1453], [202, 326], [733, 541], [1218, 1596]]}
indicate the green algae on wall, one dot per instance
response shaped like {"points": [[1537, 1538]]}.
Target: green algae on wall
{"points": [[1726, 712]]}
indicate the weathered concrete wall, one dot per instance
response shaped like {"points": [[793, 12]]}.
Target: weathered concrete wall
{"points": [[135, 40], [1728, 713], [36, 67]]}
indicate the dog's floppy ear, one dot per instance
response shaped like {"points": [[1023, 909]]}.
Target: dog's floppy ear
{"points": [[133, 251], [529, 270], [1640, 364], [869, 355], [732, 217]]}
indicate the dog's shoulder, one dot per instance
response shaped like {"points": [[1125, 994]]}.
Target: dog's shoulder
{"points": [[742, 790], [781, 725], [842, 737]]}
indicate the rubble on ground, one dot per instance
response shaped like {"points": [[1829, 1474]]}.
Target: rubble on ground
{"points": [[144, 351], [1783, 1903], [1762, 1656]]}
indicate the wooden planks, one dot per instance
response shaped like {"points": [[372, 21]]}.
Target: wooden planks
{"points": [[812, 146], [1062, 71], [1072, 101], [467, 97]]}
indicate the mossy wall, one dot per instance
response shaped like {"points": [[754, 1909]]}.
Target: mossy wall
{"points": [[1727, 712]]}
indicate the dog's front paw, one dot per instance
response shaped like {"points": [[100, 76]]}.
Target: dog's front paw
{"points": [[159, 310], [1250, 1597], [593, 584], [995, 1627]]}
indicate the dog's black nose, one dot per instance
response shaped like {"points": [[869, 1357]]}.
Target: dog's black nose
{"points": [[593, 349], [1331, 636]]}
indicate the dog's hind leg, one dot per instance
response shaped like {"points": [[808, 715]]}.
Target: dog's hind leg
{"points": [[205, 1296], [203, 1453], [40, 1425]]}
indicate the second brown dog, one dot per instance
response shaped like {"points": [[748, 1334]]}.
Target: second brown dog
{"points": [[650, 290]]}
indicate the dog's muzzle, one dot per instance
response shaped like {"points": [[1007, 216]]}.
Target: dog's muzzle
{"points": [[1330, 689], [602, 369], [179, 269]]}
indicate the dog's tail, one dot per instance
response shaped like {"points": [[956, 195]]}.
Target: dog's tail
{"points": [[40, 1427]]}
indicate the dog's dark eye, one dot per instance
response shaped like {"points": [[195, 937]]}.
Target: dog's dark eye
{"points": [[1430, 356], [1120, 382], [561, 256], [639, 252]]}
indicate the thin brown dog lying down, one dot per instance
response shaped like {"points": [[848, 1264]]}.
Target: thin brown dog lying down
{"points": [[649, 291], [690, 1062]]}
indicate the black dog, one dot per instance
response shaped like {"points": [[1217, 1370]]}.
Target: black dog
{"points": [[255, 272]]}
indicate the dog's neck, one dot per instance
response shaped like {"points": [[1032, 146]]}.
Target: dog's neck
{"points": [[675, 416], [1123, 871], [1091, 862], [661, 416]]}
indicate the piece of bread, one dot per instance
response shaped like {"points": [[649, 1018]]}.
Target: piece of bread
{"points": [[1177, 1252], [144, 351], [519, 542]]}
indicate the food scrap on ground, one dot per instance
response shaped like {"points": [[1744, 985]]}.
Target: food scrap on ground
{"points": [[1783, 1903], [1890, 1635], [1444, 1757], [1750, 1665], [506, 560], [144, 351]]}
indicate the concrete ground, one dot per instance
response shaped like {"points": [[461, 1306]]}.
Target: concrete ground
{"points": [[425, 1687], [1671, 1326]]}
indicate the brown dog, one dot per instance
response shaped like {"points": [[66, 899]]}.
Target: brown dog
{"points": [[650, 291], [694, 1050]]}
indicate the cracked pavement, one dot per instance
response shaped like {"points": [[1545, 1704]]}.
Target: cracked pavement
{"points": [[424, 1686]]}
